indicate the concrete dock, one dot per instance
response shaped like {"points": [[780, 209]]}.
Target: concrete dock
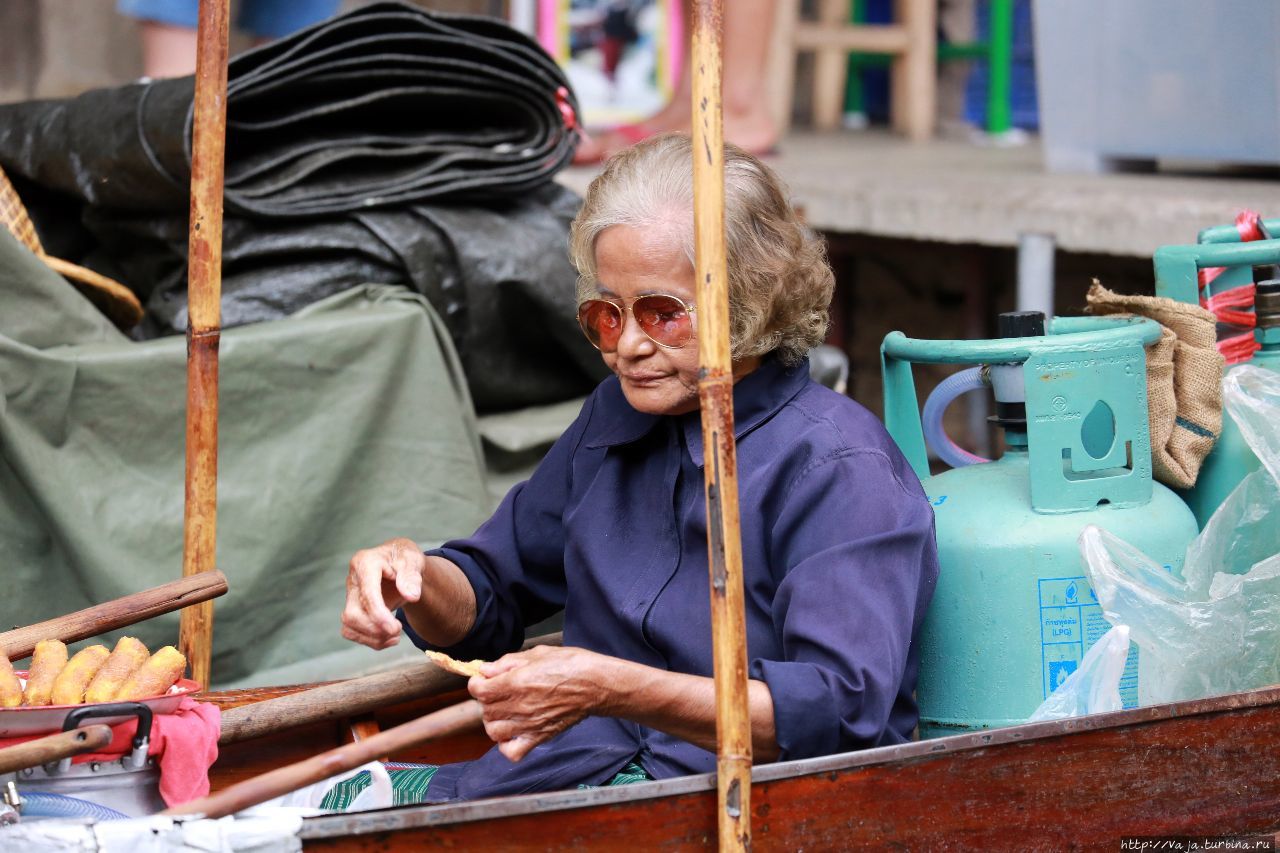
{"points": [[953, 191]]}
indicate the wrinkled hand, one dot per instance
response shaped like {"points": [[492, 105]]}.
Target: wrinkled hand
{"points": [[530, 697], [380, 580]]}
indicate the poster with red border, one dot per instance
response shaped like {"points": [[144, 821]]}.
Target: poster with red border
{"points": [[623, 57]]}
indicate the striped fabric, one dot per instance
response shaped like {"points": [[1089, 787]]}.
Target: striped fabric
{"points": [[409, 784], [629, 775]]}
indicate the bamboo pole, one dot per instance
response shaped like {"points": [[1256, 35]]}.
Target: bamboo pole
{"points": [[715, 394], [54, 748], [346, 698], [204, 293], [118, 613], [276, 783]]}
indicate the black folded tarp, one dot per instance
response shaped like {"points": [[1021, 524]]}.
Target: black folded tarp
{"points": [[389, 145], [383, 106], [497, 272]]}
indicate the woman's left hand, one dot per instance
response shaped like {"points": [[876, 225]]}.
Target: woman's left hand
{"points": [[530, 697]]}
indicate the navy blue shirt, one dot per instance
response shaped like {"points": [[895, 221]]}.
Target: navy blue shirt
{"points": [[839, 564]]}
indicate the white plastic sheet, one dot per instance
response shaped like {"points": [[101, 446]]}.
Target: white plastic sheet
{"points": [[1094, 688], [157, 834], [1216, 629], [378, 795], [271, 827]]}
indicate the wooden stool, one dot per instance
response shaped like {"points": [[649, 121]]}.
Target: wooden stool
{"points": [[912, 42]]}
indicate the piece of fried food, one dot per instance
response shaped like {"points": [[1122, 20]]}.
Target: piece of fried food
{"points": [[457, 667], [47, 661], [69, 686], [128, 655], [10, 686], [154, 677]]}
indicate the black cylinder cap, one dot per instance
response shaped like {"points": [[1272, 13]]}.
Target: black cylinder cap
{"points": [[1021, 324], [1267, 304]]}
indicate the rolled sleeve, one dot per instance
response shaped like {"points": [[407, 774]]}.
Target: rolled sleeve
{"points": [[860, 556], [499, 625], [515, 560]]}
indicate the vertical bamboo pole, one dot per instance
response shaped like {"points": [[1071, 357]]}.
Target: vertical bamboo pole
{"points": [[204, 294], [715, 393]]}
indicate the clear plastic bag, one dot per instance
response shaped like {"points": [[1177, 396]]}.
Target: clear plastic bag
{"points": [[1217, 628], [1252, 397], [1094, 687]]}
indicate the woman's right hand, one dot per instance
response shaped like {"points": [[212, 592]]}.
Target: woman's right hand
{"points": [[379, 581]]}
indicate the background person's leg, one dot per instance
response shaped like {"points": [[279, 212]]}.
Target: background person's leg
{"points": [[748, 25], [167, 29]]}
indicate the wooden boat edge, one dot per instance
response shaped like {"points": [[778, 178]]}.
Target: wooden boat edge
{"points": [[418, 817]]}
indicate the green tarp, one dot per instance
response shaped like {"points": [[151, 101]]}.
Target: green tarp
{"points": [[340, 426]]}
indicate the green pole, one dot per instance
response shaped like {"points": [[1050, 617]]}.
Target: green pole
{"points": [[853, 77], [999, 60]]}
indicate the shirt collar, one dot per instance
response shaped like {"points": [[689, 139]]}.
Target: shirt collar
{"points": [[756, 397], [621, 424]]}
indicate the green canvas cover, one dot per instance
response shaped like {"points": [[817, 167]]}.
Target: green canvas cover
{"points": [[340, 426]]}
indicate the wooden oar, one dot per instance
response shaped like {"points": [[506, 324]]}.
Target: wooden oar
{"points": [[259, 789], [129, 610], [345, 698], [44, 750], [715, 395], [204, 293]]}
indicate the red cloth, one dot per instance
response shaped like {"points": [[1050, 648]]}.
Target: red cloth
{"points": [[185, 744]]}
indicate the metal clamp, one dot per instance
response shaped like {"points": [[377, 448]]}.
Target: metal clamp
{"points": [[137, 758]]}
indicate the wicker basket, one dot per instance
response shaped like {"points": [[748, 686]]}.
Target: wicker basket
{"points": [[111, 297]]}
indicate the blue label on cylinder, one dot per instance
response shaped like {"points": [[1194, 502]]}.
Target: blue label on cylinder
{"points": [[1071, 621]]}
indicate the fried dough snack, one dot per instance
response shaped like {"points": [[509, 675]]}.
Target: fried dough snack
{"points": [[10, 686], [154, 677], [457, 667], [128, 655], [47, 661], [69, 686]]}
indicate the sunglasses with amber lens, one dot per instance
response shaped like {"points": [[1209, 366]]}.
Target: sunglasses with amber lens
{"points": [[665, 320]]}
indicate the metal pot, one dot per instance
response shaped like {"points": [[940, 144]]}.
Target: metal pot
{"points": [[130, 785]]}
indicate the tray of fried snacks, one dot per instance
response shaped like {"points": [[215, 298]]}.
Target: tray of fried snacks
{"points": [[36, 701]]}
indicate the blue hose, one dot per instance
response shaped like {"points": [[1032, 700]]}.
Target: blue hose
{"points": [[934, 408], [37, 805]]}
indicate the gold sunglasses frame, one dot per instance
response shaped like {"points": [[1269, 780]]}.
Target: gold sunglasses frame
{"points": [[624, 308]]}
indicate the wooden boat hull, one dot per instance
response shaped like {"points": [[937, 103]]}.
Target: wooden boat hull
{"points": [[1207, 767]]}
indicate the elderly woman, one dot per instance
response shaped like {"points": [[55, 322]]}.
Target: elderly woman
{"points": [[838, 548]]}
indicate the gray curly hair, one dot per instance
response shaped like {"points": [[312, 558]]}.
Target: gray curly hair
{"points": [[780, 284]]}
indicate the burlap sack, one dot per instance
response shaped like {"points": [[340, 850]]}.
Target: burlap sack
{"points": [[1184, 381]]}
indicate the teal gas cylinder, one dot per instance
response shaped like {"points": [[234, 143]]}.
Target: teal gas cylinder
{"points": [[1177, 271], [1013, 612]]}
